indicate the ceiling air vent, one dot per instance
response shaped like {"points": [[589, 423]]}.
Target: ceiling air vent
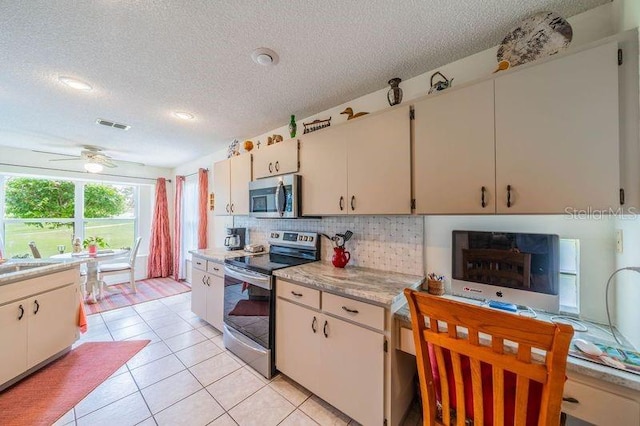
{"points": [[112, 124]]}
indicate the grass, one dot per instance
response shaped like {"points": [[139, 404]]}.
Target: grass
{"points": [[117, 233]]}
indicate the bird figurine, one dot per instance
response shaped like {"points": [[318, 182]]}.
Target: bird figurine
{"points": [[351, 115]]}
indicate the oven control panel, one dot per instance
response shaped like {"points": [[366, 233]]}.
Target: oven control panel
{"points": [[293, 239]]}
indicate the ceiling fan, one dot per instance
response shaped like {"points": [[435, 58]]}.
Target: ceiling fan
{"points": [[94, 158]]}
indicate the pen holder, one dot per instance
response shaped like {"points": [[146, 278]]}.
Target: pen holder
{"points": [[435, 287]]}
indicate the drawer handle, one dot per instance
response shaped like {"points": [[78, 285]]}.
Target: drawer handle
{"points": [[351, 311], [571, 400], [216, 269], [37, 307], [21, 312], [324, 329], [296, 294], [313, 324]]}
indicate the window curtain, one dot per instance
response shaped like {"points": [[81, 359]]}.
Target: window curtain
{"points": [[160, 260], [178, 273], [203, 189]]}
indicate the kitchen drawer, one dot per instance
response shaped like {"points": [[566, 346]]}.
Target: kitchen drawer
{"points": [[598, 406], [354, 310], [215, 268], [297, 293], [199, 263]]}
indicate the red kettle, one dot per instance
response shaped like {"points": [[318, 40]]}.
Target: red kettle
{"points": [[340, 257]]}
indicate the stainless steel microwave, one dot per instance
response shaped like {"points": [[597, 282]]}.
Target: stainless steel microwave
{"points": [[275, 197]]}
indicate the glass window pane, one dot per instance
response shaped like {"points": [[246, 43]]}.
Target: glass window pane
{"points": [[568, 255], [29, 198], [47, 236], [118, 233], [568, 291], [109, 201]]}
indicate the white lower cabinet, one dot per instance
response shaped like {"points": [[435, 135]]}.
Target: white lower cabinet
{"points": [[37, 323], [207, 291], [341, 362]]}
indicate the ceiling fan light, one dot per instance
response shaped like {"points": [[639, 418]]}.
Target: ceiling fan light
{"points": [[92, 167], [183, 115]]}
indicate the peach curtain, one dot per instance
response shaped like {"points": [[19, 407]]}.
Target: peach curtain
{"points": [[160, 262], [177, 230], [203, 190]]}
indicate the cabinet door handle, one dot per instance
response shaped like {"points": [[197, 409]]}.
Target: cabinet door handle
{"points": [[209, 281], [21, 312], [270, 167], [231, 208], [483, 190], [341, 203], [571, 400], [227, 208], [353, 201], [351, 311], [509, 196], [277, 166], [324, 329], [313, 324], [37, 307], [296, 294], [203, 277]]}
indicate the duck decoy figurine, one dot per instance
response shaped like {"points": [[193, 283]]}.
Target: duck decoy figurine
{"points": [[351, 115]]}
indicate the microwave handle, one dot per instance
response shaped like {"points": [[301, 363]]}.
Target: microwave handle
{"points": [[281, 198]]}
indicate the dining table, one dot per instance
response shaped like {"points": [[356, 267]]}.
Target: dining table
{"points": [[93, 284]]}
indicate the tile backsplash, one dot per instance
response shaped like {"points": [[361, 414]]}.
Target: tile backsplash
{"points": [[391, 243]]}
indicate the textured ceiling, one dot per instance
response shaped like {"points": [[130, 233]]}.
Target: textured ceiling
{"points": [[146, 59]]}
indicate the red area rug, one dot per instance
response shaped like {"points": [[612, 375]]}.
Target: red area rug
{"points": [[120, 295], [46, 395]]}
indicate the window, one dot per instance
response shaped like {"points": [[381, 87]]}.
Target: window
{"points": [[189, 218], [569, 274], [51, 212]]}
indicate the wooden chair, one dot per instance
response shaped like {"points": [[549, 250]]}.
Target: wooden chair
{"points": [[483, 357], [34, 250]]}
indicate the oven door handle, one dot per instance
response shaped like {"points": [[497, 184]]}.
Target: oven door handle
{"points": [[253, 278]]}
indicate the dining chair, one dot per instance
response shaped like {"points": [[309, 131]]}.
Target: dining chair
{"points": [[121, 267], [504, 369], [34, 250]]}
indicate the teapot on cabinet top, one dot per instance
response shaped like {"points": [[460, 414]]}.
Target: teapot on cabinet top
{"points": [[442, 84]]}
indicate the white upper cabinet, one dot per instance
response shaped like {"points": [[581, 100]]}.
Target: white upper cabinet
{"points": [[231, 185], [277, 159], [557, 143], [454, 162], [360, 167]]}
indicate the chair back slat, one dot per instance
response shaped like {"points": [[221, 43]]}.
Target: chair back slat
{"points": [[498, 396], [522, 400], [458, 380], [471, 344], [444, 386], [476, 383]]}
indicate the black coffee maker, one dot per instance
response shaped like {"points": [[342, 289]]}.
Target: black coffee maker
{"points": [[235, 239]]}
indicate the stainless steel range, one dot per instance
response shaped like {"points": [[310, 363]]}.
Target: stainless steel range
{"points": [[249, 296]]}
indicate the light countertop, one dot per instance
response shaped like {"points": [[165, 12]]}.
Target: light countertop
{"points": [[370, 285], [22, 269], [576, 365], [219, 254]]}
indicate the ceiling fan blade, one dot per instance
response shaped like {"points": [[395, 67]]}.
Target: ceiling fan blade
{"points": [[54, 153], [65, 159]]}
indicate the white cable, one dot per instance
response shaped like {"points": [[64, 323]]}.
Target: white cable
{"points": [[606, 297], [582, 326]]}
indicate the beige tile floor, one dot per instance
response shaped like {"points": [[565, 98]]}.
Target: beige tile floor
{"points": [[186, 377]]}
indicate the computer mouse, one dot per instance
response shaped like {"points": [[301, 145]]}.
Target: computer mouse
{"points": [[587, 347]]}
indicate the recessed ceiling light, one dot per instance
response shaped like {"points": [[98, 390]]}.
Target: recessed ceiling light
{"points": [[184, 115], [75, 84], [264, 56]]}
